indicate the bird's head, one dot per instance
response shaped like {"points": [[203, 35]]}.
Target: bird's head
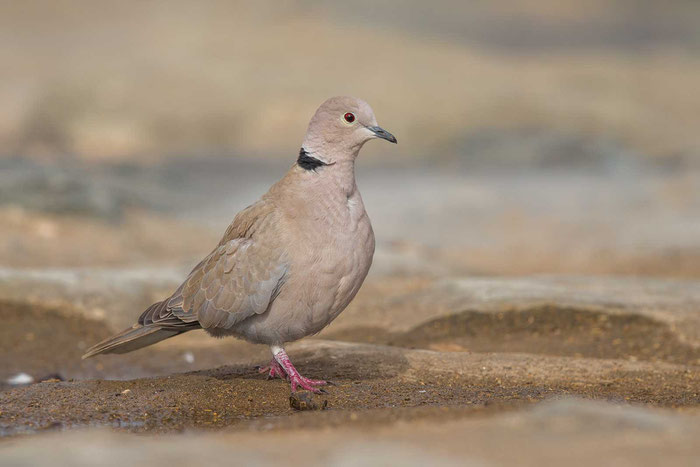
{"points": [[340, 127]]}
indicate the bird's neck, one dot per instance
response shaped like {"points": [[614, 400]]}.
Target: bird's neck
{"points": [[338, 170]]}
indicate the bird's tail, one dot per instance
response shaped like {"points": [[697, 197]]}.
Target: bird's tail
{"points": [[130, 339]]}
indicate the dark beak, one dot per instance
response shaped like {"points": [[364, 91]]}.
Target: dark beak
{"points": [[382, 133]]}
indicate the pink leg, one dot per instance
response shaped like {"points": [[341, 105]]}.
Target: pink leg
{"points": [[295, 379], [273, 370]]}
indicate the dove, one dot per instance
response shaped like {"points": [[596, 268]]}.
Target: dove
{"points": [[287, 265]]}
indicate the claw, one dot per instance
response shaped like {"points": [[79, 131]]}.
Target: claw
{"points": [[295, 379], [273, 370], [308, 384]]}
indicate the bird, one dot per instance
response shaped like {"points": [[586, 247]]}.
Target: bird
{"points": [[288, 264]]}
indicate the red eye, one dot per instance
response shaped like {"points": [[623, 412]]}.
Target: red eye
{"points": [[349, 117]]}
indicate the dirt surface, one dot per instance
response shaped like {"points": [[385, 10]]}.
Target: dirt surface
{"points": [[477, 363], [376, 384]]}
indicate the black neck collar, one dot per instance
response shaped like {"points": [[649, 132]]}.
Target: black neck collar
{"points": [[308, 162]]}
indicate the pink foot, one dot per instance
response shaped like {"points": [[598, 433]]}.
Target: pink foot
{"points": [[293, 376], [306, 383], [273, 370]]}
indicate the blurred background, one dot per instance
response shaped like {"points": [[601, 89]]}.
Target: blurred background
{"points": [[536, 136]]}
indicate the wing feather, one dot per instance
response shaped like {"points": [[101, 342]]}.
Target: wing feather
{"points": [[239, 279]]}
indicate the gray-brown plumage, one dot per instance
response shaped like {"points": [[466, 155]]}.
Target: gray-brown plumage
{"points": [[288, 264]]}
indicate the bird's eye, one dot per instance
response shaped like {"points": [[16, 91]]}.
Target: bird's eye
{"points": [[349, 117]]}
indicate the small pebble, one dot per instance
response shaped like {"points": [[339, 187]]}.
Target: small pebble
{"points": [[304, 400], [51, 378], [20, 378]]}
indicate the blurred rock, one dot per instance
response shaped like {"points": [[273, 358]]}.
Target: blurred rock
{"points": [[62, 187], [572, 432], [505, 151], [20, 379], [606, 215]]}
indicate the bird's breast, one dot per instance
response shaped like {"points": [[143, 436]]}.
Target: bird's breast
{"points": [[329, 244], [329, 270]]}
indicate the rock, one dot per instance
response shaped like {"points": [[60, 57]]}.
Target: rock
{"points": [[20, 379], [52, 378], [305, 400]]}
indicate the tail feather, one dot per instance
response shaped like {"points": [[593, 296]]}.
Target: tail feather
{"points": [[130, 339]]}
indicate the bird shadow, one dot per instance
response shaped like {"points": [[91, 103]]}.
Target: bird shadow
{"points": [[368, 363]]}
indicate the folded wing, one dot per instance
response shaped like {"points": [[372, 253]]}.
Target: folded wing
{"points": [[240, 278]]}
